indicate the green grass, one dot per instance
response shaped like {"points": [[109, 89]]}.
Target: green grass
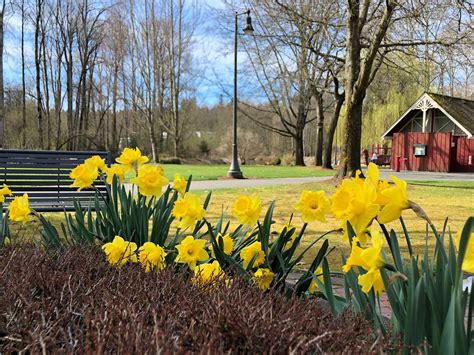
{"points": [[215, 172]]}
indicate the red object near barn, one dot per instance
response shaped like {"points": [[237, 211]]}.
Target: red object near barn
{"points": [[434, 134]]}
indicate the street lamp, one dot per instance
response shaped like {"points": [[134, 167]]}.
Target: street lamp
{"points": [[234, 170]]}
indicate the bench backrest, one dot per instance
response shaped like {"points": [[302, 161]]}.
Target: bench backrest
{"points": [[44, 176]]}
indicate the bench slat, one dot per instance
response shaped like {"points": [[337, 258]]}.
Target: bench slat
{"points": [[44, 175]]}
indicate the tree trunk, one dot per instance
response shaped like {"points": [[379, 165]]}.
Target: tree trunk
{"points": [[318, 158], [153, 141], [2, 91], [39, 108], [352, 139], [69, 92], [23, 81], [114, 109], [359, 74], [327, 152], [299, 148], [46, 89]]}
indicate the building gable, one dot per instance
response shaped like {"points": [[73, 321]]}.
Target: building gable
{"points": [[446, 114]]}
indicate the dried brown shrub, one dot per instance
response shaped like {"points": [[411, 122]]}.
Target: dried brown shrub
{"points": [[76, 302]]}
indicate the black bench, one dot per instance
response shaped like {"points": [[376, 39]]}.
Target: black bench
{"points": [[44, 176]]}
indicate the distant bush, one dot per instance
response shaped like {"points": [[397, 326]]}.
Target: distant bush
{"points": [[267, 160], [74, 302], [276, 161], [288, 159], [170, 161]]}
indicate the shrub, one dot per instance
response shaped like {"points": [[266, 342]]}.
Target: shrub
{"points": [[170, 161], [288, 159], [74, 302]]}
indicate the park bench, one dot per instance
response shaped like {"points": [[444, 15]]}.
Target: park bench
{"points": [[44, 176]]}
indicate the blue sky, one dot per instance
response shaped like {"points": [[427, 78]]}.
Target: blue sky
{"points": [[213, 54]]}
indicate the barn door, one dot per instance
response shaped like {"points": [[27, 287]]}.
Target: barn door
{"points": [[462, 154]]}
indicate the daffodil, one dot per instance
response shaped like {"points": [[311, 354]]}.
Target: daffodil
{"points": [[96, 161], [247, 209], [228, 244], [318, 274], [340, 200], [190, 251], [119, 251], [19, 209], [397, 201], [263, 278], [188, 210], [115, 170], [468, 262], [369, 259], [313, 206], [151, 256], [254, 250], [84, 175], [373, 173], [208, 273], [4, 191], [131, 158], [179, 184], [150, 180], [371, 279], [355, 202]]}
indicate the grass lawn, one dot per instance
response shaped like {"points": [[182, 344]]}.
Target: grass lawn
{"points": [[442, 199], [214, 172]]}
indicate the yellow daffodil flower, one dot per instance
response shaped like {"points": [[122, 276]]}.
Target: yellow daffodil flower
{"points": [[83, 175], [397, 201], [151, 256], [313, 206], [371, 279], [119, 251], [207, 273], [355, 202], [115, 170], [340, 200], [4, 191], [19, 209], [370, 259], [318, 274], [179, 184], [131, 158], [247, 209], [150, 180], [96, 161], [381, 199], [228, 244], [251, 251], [468, 262], [263, 278], [190, 251], [188, 210]]}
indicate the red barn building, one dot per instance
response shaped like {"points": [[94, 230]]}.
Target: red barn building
{"points": [[434, 134]]}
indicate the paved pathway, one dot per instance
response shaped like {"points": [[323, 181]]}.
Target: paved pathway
{"points": [[426, 175], [384, 174]]}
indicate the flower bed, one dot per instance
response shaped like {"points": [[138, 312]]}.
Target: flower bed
{"points": [[165, 233], [75, 302]]}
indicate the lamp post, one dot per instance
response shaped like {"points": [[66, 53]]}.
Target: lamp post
{"points": [[234, 170]]}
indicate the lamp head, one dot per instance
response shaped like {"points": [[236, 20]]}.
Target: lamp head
{"points": [[248, 28]]}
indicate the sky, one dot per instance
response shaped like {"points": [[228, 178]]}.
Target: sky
{"points": [[213, 54]]}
